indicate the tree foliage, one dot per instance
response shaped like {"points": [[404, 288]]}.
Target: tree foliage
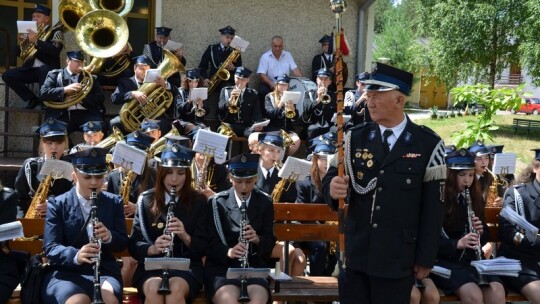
{"points": [[491, 100]]}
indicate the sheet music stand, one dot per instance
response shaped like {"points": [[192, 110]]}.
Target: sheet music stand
{"points": [[166, 263], [248, 273]]}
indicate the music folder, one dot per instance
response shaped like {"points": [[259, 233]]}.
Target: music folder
{"points": [[10, 231], [24, 26], [166, 263], [248, 273]]}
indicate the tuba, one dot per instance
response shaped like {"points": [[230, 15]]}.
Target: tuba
{"points": [[69, 100], [71, 12], [222, 73], [121, 7], [158, 101], [28, 50]]}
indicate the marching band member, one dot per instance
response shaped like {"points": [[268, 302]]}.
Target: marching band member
{"points": [[396, 169], [514, 244], [355, 102], [320, 106], [212, 59], [278, 110], [310, 192], [225, 247], [244, 100], [154, 51], [151, 127], [458, 246], [70, 232], [325, 60], [63, 83], [9, 270], [46, 58], [53, 142], [128, 89], [153, 225], [193, 111], [92, 132]]}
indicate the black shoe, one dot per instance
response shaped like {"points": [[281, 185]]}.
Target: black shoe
{"points": [[32, 103]]}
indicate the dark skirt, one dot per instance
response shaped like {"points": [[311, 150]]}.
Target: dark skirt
{"points": [[61, 285], [528, 274], [462, 274], [194, 284], [222, 281]]}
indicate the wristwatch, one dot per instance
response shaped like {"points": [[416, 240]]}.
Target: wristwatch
{"points": [[518, 237]]}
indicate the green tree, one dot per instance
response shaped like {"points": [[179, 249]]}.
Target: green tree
{"points": [[471, 39], [530, 46]]}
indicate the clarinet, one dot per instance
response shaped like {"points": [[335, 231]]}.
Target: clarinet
{"points": [[96, 240], [482, 282], [244, 296], [164, 288]]}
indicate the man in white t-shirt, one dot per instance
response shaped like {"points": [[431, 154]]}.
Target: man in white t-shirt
{"points": [[275, 62]]}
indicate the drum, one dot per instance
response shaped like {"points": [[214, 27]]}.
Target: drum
{"points": [[302, 85]]}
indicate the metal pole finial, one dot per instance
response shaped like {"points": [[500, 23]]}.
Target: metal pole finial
{"points": [[338, 6]]}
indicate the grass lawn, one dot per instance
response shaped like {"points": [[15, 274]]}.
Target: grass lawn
{"points": [[517, 142]]}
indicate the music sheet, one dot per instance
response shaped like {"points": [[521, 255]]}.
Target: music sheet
{"points": [[210, 143], [236, 273], [166, 263], [504, 163], [290, 96], [239, 43], [441, 271], [129, 157], [346, 118], [295, 169], [57, 169], [172, 45], [201, 93], [261, 124], [10, 231], [499, 266], [531, 232], [24, 26], [151, 75]]}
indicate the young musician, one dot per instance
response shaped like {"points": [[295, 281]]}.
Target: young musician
{"points": [[514, 244], [310, 192], [326, 60], [46, 58], [187, 108], [9, 270], [225, 228], [53, 143], [92, 132], [151, 236], [320, 106], [68, 82], [355, 101], [238, 104], [74, 239], [281, 113], [151, 127], [154, 51], [460, 243], [215, 57]]}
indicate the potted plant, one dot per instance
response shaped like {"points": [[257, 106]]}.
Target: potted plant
{"points": [[434, 112]]}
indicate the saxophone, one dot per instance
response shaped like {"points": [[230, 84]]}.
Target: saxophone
{"points": [[493, 192], [222, 73], [125, 189], [201, 183], [39, 197]]}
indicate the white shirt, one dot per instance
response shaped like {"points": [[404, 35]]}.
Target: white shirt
{"points": [[239, 200], [272, 66], [397, 130], [79, 105], [265, 171]]}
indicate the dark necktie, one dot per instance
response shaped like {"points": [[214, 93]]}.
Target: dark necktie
{"points": [[386, 145], [461, 199], [268, 174]]}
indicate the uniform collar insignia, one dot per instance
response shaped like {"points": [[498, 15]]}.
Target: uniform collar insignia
{"points": [[408, 137], [372, 135]]}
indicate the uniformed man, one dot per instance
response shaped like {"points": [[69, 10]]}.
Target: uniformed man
{"points": [[154, 51], [151, 127], [320, 106], [46, 58], [226, 228], [244, 100], [67, 83], [92, 132], [355, 102], [396, 171], [212, 59], [128, 90], [325, 60]]}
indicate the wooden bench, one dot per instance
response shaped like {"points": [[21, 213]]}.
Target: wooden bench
{"points": [[527, 124]]}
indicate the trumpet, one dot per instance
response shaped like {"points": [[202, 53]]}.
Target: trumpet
{"points": [[325, 98], [290, 112], [199, 111], [233, 101]]}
